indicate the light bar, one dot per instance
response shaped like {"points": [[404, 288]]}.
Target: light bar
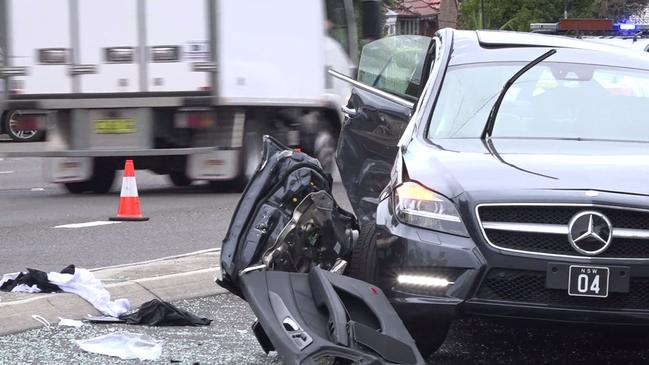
{"points": [[627, 26], [119, 54], [53, 56], [165, 53], [420, 280]]}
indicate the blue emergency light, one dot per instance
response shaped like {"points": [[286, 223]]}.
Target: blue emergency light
{"points": [[627, 26]]}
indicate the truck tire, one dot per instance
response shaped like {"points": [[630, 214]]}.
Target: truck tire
{"points": [[325, 147], [102, 180], [79, 187], [251, 156], [179, 178], [17, 135], [429, 335]]}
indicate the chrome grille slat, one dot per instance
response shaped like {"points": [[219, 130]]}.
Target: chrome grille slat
{"points": [[560, 229]]}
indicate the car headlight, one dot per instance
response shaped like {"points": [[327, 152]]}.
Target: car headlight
{"points": [[421, 207]]}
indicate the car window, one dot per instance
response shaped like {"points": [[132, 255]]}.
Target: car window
{"points": [[395, 64], [552, 100]]}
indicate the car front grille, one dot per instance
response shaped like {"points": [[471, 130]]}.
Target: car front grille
{"points": [[559, 215], [528, 287]]}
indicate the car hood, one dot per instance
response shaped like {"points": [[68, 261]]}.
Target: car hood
{"points": [[470, 165]]}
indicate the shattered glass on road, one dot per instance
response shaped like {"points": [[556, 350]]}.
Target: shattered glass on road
{"points": [[228, 340]]}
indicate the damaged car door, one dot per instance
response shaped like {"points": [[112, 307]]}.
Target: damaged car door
{"points": [[391, 75], [285, 250]]}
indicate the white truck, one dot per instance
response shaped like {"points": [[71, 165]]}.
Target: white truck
{"points": [[184, 88]]}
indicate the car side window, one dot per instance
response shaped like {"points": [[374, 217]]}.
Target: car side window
{"points": [[395, 64]]}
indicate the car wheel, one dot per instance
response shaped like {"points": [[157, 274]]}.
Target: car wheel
{"points": [[179, 178], [363, 261], [79, 187], [10, 125], [429, 335]]}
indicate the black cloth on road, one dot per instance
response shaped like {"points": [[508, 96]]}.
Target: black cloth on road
{"points": [[35, 277], [159, 313]]}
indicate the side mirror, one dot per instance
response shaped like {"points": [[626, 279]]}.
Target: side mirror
{"points": [[372, 19]]}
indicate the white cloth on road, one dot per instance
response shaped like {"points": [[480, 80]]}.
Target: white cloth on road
{"points": [[125, 345], [23, 288], [84, 284]]}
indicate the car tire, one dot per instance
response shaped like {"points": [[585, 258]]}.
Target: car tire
{"points": [[179, 178], [363, 260], [429, 335], [20, 136]]}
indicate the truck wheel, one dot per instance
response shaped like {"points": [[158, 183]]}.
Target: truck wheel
{"points": [[251, 157], [252, 146], [325, 148], [179, 178], [103, 176], [10, 125], [79, 187]]}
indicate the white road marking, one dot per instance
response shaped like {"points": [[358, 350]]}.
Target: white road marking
{"points": [[85, 225], [36, 189], [7, 172], [209, 250]]}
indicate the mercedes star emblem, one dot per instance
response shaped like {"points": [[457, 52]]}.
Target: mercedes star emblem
{"points": [[590, 233]]}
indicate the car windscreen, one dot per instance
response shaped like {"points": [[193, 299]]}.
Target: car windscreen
{"points": [[552, 100]]}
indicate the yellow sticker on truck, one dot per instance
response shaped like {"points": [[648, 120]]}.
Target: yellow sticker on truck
{"points": [[114, 126]]}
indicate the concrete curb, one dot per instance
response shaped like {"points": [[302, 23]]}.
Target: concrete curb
{"points": [[182, 277]]}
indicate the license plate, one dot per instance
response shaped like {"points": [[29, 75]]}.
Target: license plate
{"points": [[114, 126], [588, 281]]}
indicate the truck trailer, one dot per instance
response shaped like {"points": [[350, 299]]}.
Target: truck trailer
{"points": [[184, 88]]}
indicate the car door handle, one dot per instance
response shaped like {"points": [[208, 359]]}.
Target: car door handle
{"points": [[349, 112]]}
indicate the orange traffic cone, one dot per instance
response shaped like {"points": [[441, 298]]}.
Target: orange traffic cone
{"points": [[129, 201]]}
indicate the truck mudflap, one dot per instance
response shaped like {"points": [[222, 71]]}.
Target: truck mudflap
{"points": [[285, 250], [326, 318]]}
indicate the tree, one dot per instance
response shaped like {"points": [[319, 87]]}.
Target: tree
{"points": [[518, 14]]}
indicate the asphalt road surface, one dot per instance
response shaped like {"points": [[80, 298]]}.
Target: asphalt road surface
{"points": [[182, 220], [229, 341]]}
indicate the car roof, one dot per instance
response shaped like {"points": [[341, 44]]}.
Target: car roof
{"points": [[506, 46], [635, 43]]}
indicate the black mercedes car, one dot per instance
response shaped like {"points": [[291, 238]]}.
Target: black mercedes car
{"points": [[492, 174]]}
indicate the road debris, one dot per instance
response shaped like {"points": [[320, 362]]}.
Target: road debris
{"points": [[70, 322], [73, 280], [160, 313], [125, 345]]}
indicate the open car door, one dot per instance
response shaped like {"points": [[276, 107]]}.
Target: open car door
{"points": [[392, 73], [284, 253]]}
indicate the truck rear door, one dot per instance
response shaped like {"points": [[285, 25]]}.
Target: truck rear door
{"points": [[39, 38], [108, 40], [177, 35]]}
